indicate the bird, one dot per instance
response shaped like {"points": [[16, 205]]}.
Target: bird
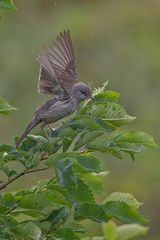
{"points": [[57, 77]]}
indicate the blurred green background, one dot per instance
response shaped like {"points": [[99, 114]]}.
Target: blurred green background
{"points": [[114, 40]]}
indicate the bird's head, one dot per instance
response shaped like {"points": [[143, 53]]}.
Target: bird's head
{"points": [[80, 91]]}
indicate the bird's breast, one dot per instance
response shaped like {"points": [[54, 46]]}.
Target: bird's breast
{"points": [[59, 110]]}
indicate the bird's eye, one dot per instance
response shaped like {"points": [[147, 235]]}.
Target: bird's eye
{"points": [[83, 92]]}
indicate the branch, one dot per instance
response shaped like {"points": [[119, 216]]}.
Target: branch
{"points": [[5, 184]]}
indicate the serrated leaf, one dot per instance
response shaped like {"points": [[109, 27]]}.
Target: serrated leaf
{"points": [[37, 201], [29, 212], [29, 230], [104, 145], [134, 137], [57, 194], [116, 114], [106, 96], [86, 138], [67, 234], [94, 181], [79, 228], [6, 148], [92, 211], [45, 226], [67, 135], [87, 122], [60, 156], [123, 212], [87, 160], [81, 193], [65, 174], [56, 215], [100, 90], [35, 159], [12, 173], [90, 162], [51, 146], [5, 107], [26, 145], [4, 168], [127, 198], [37, 138], [109, 230], [7, 201], [129, 231], [133, 142]]}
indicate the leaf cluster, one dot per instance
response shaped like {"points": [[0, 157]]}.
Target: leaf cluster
{"points": [[7, 4], [54, 208]]}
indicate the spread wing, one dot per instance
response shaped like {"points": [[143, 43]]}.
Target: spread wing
{"points": [[58, 70], [48, 82]]}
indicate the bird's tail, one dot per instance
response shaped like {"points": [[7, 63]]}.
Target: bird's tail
{"points": [[28, 129]]}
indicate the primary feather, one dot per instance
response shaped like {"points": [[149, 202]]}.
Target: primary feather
{"points": [[58, 71]]}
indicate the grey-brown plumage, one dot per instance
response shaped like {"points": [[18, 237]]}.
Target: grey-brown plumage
{"points": [[58, 77]]}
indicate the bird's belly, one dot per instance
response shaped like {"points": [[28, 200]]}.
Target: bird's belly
{"points": [[58, 112]]}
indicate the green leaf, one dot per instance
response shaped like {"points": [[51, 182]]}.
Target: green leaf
{"points": [[123, 212], [37, 138], [6, 148], [51, 146], [87, 122], [79, 228], [100, 90], [67, 134], [87, 160], [109, 230], [133, 142], [56, 215], [4, 168], [67, 234], [26, 145], [7, 4], [134, 137], [94, 181], [104, 145], [92, 211], [5, 107], [7, 201], [115, 114], [65, 174], [127, 198], [106, 96], [61, 156], [129, 231], [81, 193], [86, 138], [29, 212], [29, 230], [37, 201], [90, 162]]}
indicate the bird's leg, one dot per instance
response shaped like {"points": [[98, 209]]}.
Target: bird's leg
{"points": [[50, 127], [43, 130]]}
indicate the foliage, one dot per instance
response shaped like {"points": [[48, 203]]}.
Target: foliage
{"points": [[5, 107], [54, 208], [7, 4]]}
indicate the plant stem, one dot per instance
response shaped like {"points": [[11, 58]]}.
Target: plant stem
{"points": [[24, 172]]}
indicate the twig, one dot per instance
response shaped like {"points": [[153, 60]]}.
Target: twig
{"points": [[5, 184]]}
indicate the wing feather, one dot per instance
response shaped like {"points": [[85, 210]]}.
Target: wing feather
{"points": [[48, 82], [58, 71], [61, 56]]}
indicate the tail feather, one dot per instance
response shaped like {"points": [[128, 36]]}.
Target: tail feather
{"points": [[30, 126]]}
